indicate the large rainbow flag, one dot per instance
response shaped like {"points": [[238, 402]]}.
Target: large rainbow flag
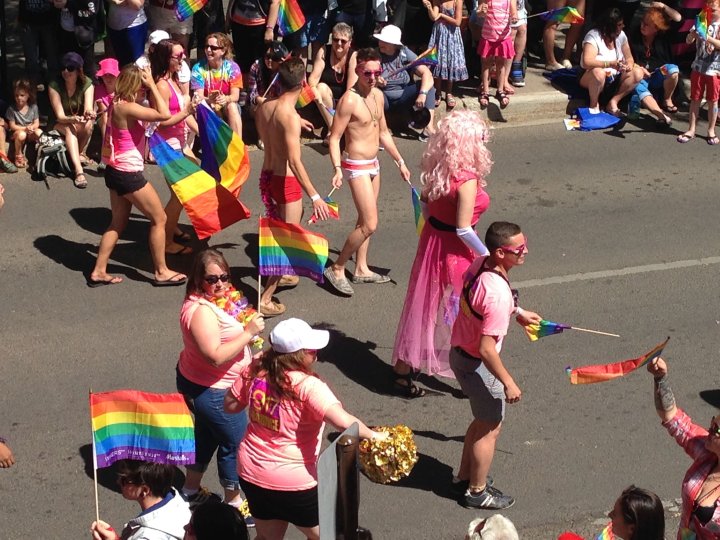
{"points": [[606, 372], [209, 205], [224, 155], [290, 17], [129, 424], [184, 9], [287, 249], [417, 210], [565, 14]]}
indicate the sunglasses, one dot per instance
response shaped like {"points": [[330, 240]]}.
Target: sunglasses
{"points": [[69, 69], [517, 251], [212, 280], [213, 48], [714, 428], [375, 74], [180, 56], [341, 41], [123, 480]]}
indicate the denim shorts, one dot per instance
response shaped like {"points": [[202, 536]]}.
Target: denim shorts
{"points": [[214, 430]]}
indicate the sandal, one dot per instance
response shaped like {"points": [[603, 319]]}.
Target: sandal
{"points": [[80, 181], [450, 101], [503, 98], [685, 137], [404, 387], [20, 161], [713, 140], [85, 161], [672, 109], [484, 100]]}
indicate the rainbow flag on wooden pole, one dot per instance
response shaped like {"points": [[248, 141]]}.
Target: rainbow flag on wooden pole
{"points": [[209, 205], [427, 58], [287, 249], [290, 17], [549, 328]]}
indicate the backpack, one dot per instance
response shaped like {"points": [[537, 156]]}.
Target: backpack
{"points": [[52, 158]]}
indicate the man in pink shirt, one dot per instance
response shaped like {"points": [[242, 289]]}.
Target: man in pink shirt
{"points": [[486, 305]]}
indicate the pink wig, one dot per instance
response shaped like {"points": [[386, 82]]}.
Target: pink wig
{"points": [[458, 145]]}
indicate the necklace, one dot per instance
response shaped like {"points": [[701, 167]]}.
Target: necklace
{"points": [[338, 70], [375, 116]]}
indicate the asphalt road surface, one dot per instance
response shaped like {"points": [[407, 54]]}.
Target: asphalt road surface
{"points": [[623, 237]]}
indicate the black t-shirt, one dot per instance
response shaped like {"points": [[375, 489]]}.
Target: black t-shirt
{"points": [[353, 7], [37, 12], [652, 57]]}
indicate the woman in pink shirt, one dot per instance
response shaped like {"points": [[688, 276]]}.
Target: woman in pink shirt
{"points": [[216, 350], [700, 518], [288, 406]]}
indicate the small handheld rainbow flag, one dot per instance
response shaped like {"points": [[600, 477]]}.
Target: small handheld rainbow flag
{"points": [[306, 97], [290, 17], [333, 208], [544, 329], [427, 58], [287, 249], [702, 21], [565, 14], [184, 9], [417, 210], [606, 533], [210, 206], [129, 424], [606, 372]]}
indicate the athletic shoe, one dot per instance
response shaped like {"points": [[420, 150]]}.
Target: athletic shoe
{"points": [[7, 165], [459, 487], [203, 495], [244, 510], [488, 499], [516, 75]]}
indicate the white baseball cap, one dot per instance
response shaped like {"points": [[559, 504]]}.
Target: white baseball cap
{"points": [[292, 335], [157, 36], [390, 34]]}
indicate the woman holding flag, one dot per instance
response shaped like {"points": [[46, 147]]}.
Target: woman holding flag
{"points": [[454, 166]]}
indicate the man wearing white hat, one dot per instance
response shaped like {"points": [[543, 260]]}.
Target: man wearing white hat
{"points": [[400, 90]]}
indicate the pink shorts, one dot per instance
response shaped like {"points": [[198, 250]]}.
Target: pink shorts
{"points": [[500, 49], [699, 83]]}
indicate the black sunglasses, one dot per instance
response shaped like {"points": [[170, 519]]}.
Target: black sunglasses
{"points": [[69, 69], [212, 280], [213, 48]]}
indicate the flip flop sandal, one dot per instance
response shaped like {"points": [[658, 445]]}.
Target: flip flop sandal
{"points": [[86, 161], [450, 101], [670, 109], [484, 100], [172, 282], [20, 162], [80, 181], [341, 285], [404, 387], [502, 98], [682, 139], [712, 141]]}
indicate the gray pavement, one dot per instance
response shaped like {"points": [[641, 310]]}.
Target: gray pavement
{"points": [[623, 237]]}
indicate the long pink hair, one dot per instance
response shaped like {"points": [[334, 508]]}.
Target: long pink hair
{"points": [[458, 145]]}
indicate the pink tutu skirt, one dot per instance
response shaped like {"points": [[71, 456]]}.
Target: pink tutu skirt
{"points": [[432, 302], [500, 49]]}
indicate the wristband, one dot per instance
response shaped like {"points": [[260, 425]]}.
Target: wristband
{"points": [[400, 162], [315, 197], [268, 27], [424, 92], [337, 167], [518, 311]]}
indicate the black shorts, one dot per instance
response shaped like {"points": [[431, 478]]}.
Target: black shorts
{"points": [[124, 182], [297, 507]]}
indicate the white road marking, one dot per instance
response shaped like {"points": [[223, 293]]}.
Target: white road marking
{"points": [[647, 268]]}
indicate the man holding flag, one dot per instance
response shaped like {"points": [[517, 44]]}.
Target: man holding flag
{"points": [[284, 178]]}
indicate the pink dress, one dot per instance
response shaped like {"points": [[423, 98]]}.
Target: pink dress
{"points": [[433, 297]]}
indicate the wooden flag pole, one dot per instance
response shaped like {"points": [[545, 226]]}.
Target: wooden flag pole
{"points": [[94, 456], [594, 331]]}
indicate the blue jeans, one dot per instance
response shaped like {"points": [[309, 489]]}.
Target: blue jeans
{"points": [[406, 100], [128, 43], [214, 430], [647, 87]]}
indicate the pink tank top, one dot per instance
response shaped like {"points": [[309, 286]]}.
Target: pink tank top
{"points": [[123, 149], [174, 135], [497, 21]]}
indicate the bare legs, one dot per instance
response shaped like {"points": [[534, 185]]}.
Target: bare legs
{"points": [[570, 40], [232, 114], [77, 137], [478, 452]]}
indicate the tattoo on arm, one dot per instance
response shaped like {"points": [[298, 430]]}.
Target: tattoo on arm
{"points": [[664, 397]]}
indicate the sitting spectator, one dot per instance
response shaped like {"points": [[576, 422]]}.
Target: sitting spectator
{"points": [[607, 63], [23, 119], [496, 527], [154, 38], [314, 32], [262, 74], [38, 21], [162, 17], [401, 92], [78, 21], [71, 99], [252, 23], [551, 64], [213, 520], [127, 28], [219, 80], [104, 92], [7, 459], [651, 50], [164, 511], [638, 514], [5, 164]]}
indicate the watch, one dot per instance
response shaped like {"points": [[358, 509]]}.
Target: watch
{"points": [[424, 92]]}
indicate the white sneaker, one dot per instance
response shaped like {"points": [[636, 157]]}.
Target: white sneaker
{"points": [[553, 67], [567, 64]]}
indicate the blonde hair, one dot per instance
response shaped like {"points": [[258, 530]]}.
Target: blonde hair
{"points": [[224, 41], [128, 83]]}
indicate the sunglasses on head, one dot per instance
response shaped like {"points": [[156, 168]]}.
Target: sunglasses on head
{"points": [[341, 41], [69, 69], [213, 48], [375, 74], [212, 280]]}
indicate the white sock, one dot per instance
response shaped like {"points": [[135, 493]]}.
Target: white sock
{"points": [[594, 110], [189, 492], [236, 503]]}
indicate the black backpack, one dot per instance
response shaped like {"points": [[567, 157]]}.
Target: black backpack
{"points": [[52, 158]]}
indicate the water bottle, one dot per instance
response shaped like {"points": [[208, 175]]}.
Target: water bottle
{"points": [[634, 108]]}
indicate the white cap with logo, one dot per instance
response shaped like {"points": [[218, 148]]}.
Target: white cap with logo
{"points": [[292, 335]]}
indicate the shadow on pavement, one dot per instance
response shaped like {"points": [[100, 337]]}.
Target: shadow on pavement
{"points": [[434, 435], [711, 397], [429, 474]]}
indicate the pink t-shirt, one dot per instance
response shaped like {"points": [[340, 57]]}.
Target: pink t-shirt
{"points": [[193, 365], [282, 443], [497, 21], [492, 298], [102, 95]]}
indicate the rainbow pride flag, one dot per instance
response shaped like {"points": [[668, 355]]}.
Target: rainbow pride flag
{"points": [[565, 14], [209, 205], [606, 533], [417, 210], [129, 424], [287, 249], [306, 97], [427, 58], [290, 17], [606, 372], [544, 329], [224, 155], [184, 9], [702, 21], [333, 208]]}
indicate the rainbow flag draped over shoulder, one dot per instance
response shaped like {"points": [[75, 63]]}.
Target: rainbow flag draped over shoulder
{"points": [[333, 209], [184, 9], [290, 17], [306, 97], [702, 21], [417, 210], [224, 155], [606, 372], [287, 249], [565, 14], [209, 205], [544, 329], [128, 424]]}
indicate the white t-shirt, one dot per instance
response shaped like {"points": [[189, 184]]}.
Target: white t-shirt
{"points": [[183, 74], [605, 54], [121, 16]]}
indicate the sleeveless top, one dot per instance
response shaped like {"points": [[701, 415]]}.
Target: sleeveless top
{"points": [[123, 149], [336, 81], [445, 208], [174, 135]]}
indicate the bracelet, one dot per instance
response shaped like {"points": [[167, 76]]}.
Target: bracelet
{"points": [[315, 197], [518, 311], [400, 162], [605, 64], [424, 92], [337, 167], [268, 27]]}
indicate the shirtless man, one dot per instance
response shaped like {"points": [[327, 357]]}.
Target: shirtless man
{"points": [[360, 117], [284, 177]]}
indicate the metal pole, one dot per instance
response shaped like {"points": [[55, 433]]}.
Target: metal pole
{"points": [[3, 55], [348, 503]]}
